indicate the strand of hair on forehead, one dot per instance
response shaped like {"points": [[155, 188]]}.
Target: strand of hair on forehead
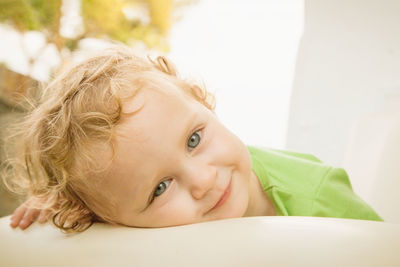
{"points": [[164, 65]]}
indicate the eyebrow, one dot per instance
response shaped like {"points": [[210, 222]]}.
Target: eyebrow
{"points": [[187, 130]]}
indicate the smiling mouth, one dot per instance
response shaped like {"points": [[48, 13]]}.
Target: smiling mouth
{"points": [[224, 197]]}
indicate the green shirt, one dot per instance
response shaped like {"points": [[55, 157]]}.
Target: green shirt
{"points": [[301, 185]]}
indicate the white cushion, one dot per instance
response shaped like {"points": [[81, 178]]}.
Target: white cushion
{"points": [[256, 241]]}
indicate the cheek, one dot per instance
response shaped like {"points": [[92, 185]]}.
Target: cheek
{"points": [[232, 148], [174, 212]]}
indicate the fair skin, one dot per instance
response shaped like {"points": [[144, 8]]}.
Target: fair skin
{"points": [[176, 164]]}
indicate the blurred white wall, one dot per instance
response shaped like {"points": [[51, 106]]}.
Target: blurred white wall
{"points": [[244, 51], [348, 67]]}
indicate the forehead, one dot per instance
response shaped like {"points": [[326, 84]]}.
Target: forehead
{"points": [[153, 109], [160, 118]]}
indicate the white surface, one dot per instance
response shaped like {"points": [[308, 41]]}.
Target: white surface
{"points": [[372, 161], [257, 241], [348, 66]]}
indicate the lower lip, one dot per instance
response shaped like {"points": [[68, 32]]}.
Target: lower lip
{"points": [[225, 197]]}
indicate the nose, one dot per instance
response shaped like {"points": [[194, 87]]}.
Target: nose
{"points": [[202, 180]]}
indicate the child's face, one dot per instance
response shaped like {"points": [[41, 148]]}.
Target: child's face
{"points": [[176, 164]]}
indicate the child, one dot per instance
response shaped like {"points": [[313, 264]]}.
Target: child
{"points": [[124, 140]]}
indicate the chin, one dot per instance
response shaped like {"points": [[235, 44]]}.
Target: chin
{"points": [[238, 207]]}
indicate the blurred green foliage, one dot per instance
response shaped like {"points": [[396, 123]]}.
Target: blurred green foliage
{"points": [[101, 19], [29, 15]]}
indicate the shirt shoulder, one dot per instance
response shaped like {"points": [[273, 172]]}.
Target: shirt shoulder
{"points": [[301, 185], [297, 172]]}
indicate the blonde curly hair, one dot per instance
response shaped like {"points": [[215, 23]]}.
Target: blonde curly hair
{"points": [[76, 113]]}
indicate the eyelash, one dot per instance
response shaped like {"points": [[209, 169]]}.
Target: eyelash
{"points": [[199, 133]]}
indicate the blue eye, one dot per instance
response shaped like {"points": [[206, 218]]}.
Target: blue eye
{"points": [[194, 139], [161, 188]]}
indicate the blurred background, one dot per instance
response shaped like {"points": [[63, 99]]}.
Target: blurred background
{"points": [[290, 74]]}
